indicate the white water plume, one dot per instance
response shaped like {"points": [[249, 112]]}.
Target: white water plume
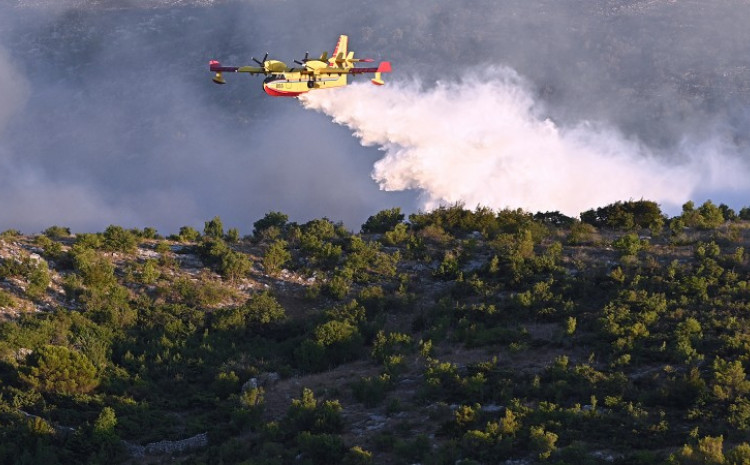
{"points": [[484, 142]]}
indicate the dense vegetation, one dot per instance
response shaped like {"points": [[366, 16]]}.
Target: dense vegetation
{"points": [[453, 336]]}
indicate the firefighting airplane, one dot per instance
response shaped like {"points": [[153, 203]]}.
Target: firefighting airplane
{"points": [[322, 73]]}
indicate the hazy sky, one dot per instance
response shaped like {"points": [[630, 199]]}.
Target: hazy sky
{"points": [[108, 114]]}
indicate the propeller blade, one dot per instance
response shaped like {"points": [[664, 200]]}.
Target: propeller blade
{"points": [[298, 62], [265, 57], [256, 60]]}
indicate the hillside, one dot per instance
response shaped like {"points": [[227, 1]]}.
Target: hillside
{"points": [[457, 336]]}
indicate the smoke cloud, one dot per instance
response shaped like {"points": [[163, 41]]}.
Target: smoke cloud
{"points": [[13, 90], [484, 141], [108, 114]]}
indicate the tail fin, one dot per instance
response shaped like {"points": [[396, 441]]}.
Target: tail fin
{"points": [[339, 53], [383, 67]]}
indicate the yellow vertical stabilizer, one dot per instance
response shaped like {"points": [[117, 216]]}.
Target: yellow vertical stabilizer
{"points": [[339, 53]]}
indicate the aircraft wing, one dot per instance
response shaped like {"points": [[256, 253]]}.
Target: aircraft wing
{"points": [[384, 67], [251, 70], [217, 67]]}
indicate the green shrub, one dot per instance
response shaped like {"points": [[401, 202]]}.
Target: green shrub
{"points": [[57, 232], [323, 449], [59, 370], [371, 390], [117, 239], [263, 308], [6, 299], [275, 220], [188, 234], [358, 456], [214, 228], [275, 257], [383, 221]]}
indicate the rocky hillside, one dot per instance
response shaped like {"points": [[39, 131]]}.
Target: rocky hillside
{"points": [[456, 337]]}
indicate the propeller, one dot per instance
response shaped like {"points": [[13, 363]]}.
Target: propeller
{"points": [[304, 60], [261, 62]]}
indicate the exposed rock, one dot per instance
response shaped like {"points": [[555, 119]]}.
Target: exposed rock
{"points": [[491, 408], [252, 383], [198, 441], [190, 261], [263, 380], [607, 455], [22, 353], [269, 379]]}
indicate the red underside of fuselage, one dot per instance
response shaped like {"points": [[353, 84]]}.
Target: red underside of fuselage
{"points": [[276, 93]]}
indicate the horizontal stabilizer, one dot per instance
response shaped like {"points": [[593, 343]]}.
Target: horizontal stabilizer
{"points": [[384, 67], [216, 67]]}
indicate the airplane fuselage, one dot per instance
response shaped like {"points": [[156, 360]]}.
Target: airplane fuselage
{"points": [[294, 84]]}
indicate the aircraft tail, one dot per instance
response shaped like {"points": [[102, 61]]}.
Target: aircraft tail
{"points": [[384, 67], [339, 53]]}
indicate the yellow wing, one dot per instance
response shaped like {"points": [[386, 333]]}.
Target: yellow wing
{"points": [[251, 70]]}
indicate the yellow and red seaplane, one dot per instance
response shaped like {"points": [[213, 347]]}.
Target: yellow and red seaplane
{"points": [[312, 73]]}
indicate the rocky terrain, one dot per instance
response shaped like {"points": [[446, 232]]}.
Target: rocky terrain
{"points": [[459, 336]]}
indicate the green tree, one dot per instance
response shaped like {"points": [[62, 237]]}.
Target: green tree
{"points": [[542, 441], [711, 216], [234, 265], [272, 220], [104, 426], [730, 380], [626, 215], [321, 449], [687, 333], [707, 216], [383, 221], [233, 235], [59, 370], [275, 257], [341, 339], [510, 424], [57, 232], [307, 414], [739, 455], [117, 239], [708, 451], [97, 271], [629, 244], [214, 229], [52, 249], [39, 279], [728, 213], [398, 235], [581, 232], [149, 233], [188, 234], [263, 308], [150, 272]]}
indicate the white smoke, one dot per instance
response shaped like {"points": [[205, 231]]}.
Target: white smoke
{"points": [[14, 90], [485, 142]]}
